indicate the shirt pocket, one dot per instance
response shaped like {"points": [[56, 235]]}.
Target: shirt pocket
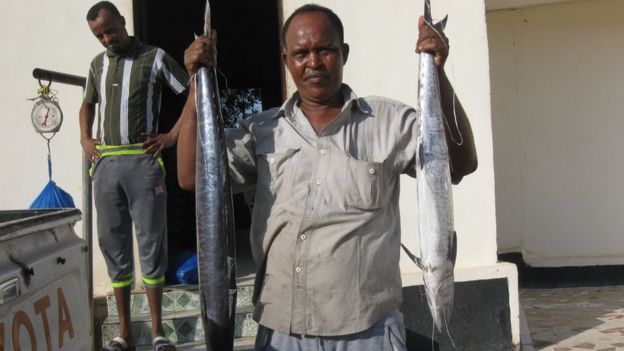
{"points": [[364, 184], [275, 175]]}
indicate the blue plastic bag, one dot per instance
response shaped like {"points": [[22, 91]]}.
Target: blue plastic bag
{"points": [[187, 272], [52, 196]]}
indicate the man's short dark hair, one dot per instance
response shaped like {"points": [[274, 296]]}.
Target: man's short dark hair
{"points": [[95, 9], [333, 18]]}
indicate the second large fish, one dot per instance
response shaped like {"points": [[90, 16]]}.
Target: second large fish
{"points": [[215, 217], [438, 243]]}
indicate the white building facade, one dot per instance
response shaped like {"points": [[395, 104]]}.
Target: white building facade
{"points": [[536, 78], [556, 124]]}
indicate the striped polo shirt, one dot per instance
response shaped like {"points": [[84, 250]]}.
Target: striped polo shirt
{"points": [[128, 90]]}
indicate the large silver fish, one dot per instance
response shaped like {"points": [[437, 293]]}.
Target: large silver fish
{"points": [[435, 198], [215, 217]]}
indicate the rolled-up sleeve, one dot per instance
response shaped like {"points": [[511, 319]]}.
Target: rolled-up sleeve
{"points": [[91, 93], [406, 139]]}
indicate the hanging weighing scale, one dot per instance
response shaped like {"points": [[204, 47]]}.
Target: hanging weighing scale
{"points": [[46, 115], [46, 118]]}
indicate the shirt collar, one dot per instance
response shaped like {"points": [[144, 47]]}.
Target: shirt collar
{"points": [[135, 44], [290, 106]]}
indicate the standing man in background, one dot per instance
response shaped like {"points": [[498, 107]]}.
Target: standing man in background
{"points": [[125, 82]]}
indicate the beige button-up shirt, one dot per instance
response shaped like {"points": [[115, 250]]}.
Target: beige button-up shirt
{"points": [[325, 221]]}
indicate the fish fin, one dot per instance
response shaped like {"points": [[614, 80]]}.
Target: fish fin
{"points": [[421, 156], [453, 251], [441, 24], [413, 257]]}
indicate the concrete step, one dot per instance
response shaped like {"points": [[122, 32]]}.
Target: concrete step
{"points": [[242, 344], [176, 299], [181, 317], [183, 328]]}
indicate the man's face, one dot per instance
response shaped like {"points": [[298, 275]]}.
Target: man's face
{"points": [[314, 57], [110, 31]]}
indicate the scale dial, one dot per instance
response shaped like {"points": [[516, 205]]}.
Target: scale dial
{"points": [[46, 116]]}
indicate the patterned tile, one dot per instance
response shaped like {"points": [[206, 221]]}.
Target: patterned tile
{"points": [[136, 303], [575, 319], [168, 303], [142, 332], [245, 326], [199, 330], [109, 332], [618, 330], [187, 328], [182, 300], [250, 328], [169, 329], [195, 303], [176, 303], [244, 296], [144, 303], [111, 305]]}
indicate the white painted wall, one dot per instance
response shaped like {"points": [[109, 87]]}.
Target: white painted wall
{"points": [[52, 35], [382, 62], [55, 36], [557, 125], [508, 4]]}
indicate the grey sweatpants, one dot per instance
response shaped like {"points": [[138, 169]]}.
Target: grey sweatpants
{"points": [[131, 189], [388, 334]]}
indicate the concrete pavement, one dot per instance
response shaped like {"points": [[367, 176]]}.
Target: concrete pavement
{"points": [[573, 319]]}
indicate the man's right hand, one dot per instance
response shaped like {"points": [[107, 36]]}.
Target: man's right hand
{"points": [[202, 51], [89, 147]]}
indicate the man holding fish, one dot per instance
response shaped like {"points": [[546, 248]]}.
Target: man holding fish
{"points": [[325, 165]]}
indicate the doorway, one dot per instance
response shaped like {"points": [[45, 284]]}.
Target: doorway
{"points": [[250, 65]]}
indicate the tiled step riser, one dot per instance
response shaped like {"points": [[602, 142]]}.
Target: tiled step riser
{"points": [[174, 301], [181, 330], [181, 316]]}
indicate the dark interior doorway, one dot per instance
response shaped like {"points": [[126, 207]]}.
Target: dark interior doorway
{"points": [[249, 58]]}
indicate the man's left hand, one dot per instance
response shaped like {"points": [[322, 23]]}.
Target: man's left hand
{"points": [[157, 143], [433, 41]]}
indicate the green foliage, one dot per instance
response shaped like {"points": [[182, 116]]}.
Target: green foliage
{"points": [[237, 104]]}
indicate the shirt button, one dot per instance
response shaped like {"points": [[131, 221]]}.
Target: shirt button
{"points": [[272, 160], [371, 171], [323, 152], [303, 237], [319, 182], [298, 269]]}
